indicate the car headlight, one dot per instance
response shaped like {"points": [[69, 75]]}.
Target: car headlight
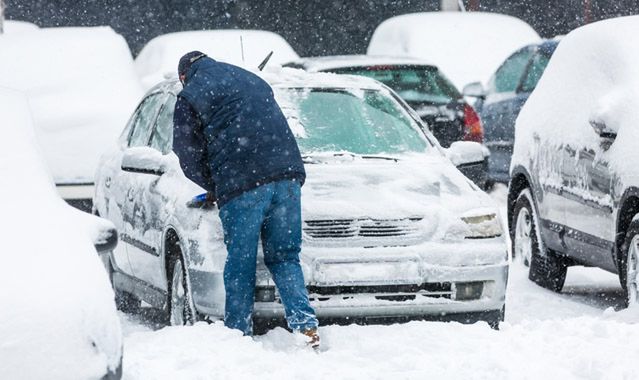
{"points": [[482, 226]]}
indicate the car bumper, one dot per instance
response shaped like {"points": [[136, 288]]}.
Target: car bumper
{"points": [[417, 281]]}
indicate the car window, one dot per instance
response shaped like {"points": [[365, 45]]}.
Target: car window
{"points": [[413, 83], [507, 77], [353, 120], [162, 137], [143, 120], [535, 70]]}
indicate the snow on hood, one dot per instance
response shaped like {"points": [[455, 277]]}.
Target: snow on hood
{"points": [[466, 46], [82, 89], [593, 76], [161, 55], [49, 269], [419, 186]]}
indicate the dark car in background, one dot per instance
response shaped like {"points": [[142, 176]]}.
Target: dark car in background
{"points": [[423, 87], [499, 104]]}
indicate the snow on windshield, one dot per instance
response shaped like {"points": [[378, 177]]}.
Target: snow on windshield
{"points": [[351, 120]]}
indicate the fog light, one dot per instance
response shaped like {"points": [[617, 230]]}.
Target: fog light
{"points": [[265, 294], [466, 291]]}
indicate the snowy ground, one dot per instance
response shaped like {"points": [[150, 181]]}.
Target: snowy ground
{"points": [[573, 335]]}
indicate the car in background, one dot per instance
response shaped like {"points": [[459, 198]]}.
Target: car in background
{"points": [[574, 193], [391, 229], [423, 87], [81, 85], [500, 104], [14, 26], [247, 48], [467, 46], [58, 319]]}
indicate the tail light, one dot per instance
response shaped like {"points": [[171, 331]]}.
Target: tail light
{"points": [[473, 130]]}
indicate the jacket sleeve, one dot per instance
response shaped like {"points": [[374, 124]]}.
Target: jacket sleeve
{"points": [[189, 144]]}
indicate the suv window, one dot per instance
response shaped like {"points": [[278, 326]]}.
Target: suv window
{"points": [[535, 70], [507, 77], [143, 120], [162, 137]]}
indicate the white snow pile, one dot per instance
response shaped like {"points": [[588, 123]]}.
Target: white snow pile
{"points": [[593, 77], [82, 89], [57, 315], [247, 48], [466, 46], [14, 26]]}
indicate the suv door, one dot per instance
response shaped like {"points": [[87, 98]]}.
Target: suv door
{"points": [[145, 256], [499, 111], [587, 187], [134, 214]]}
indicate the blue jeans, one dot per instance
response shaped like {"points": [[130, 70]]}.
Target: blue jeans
{"points": [[272, 212]]}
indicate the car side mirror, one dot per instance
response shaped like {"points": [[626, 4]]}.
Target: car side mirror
{"points": [[607, 134], [474, 90], [144, 160], [107, 241], [463, 153]]}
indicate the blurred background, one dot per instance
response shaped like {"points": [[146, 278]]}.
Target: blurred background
{"points": [[312, 27]]}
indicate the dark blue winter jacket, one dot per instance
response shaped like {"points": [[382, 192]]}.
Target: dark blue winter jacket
{"points": [[248, 140]]}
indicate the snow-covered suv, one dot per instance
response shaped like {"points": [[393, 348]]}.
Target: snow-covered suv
{"points": [[574, 193]]}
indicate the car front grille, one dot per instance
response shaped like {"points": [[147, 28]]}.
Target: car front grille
{"points": [[397, 293], [366, 228]]}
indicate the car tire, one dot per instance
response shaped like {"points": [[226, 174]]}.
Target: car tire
{"points": [[494, 318], [180, 309], [629, 265], [546, 268]]}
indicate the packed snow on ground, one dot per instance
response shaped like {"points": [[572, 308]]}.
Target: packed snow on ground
{"points": [[467, 47], [573, 335], [593, 77], [82, 89], [57, 315], [246, 48]]}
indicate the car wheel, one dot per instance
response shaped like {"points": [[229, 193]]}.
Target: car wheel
{"points": [[546, 269], [180, 305], [629, 265]]}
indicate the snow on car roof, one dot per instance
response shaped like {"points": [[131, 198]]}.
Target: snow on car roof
{"points": [[467, 46], [284, 77], [161, 55], [82, 88], [593, 76], [14, 26], [327, 63]]}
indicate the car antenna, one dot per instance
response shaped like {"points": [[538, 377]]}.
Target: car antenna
{"points": [[265, 61], [242, 48]]}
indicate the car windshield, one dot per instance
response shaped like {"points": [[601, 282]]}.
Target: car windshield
{"points": [[413, 83], [363, 122]]}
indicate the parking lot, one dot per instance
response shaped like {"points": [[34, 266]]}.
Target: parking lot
{"points": [[573, 335]]}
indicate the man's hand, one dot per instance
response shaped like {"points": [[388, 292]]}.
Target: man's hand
{"points": [[204, 201]]}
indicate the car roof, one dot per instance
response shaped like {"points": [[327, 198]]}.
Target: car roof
{"points": [[327, 63], [285, 77]]}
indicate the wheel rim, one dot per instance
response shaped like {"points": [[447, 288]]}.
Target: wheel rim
{"points": [[523, 231], [178, 296], [631, 270]]}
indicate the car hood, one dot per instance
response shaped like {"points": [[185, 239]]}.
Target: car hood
{"points": [[428, 188]]}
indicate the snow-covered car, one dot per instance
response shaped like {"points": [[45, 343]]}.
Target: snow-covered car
{"points": [[81, 85], [574, 194], [500, 104], [248, 48], [467, 46], [423, 87], [391, 229], [58, 319]]}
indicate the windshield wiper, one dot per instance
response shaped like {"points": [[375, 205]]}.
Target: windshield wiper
{"points": [[316, 159]]}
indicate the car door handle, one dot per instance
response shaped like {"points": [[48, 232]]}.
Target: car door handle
{"points": [[107, 182], [129, 195]]}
